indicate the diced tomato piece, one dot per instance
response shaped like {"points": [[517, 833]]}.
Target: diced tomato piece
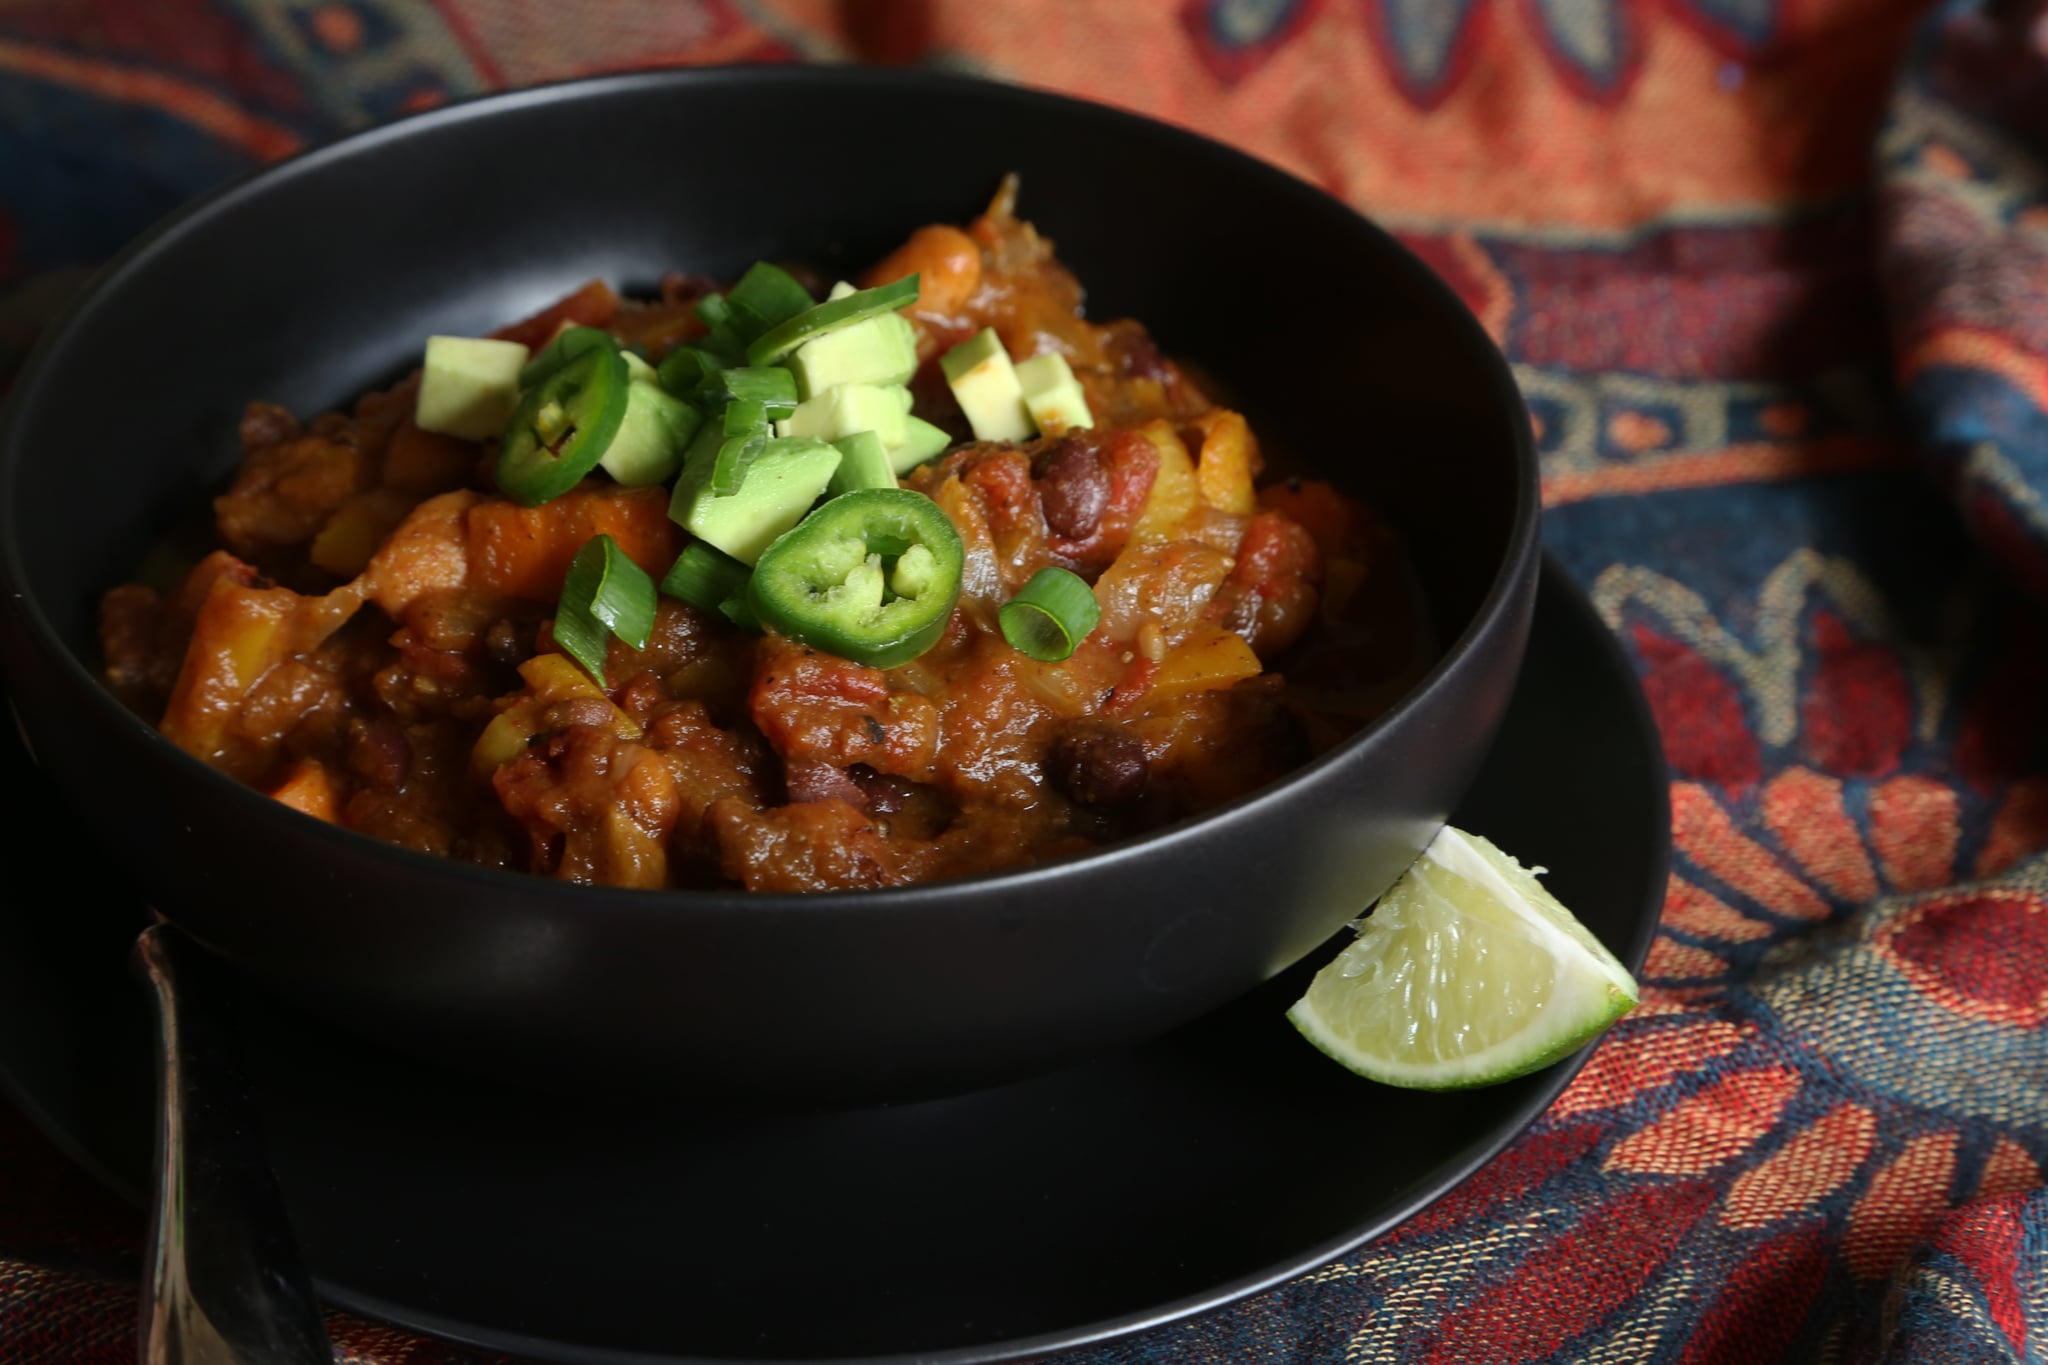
{"points": [[812, 705], [1003, 479], [1270, 597], [1337, 522]]}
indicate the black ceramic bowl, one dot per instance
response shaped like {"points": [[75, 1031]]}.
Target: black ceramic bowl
{"points": [[317, 278]]}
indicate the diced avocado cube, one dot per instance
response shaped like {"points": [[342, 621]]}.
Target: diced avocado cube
{"points": [[638, 370], [985, 383], [779, 488], [1052, 395], [865, 464], [879, 350], [840, 291], [653, 436], [848, 408], [469, 387], [921, 441]]}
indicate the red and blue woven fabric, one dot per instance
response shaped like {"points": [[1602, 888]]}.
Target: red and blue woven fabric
{"points": [[1773, 275]]}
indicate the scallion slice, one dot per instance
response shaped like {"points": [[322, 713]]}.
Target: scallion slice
{"points": [[605, 594], [1051, 616], [735, 457], [712, 309], [746, 417], [738, 610], [779, 342], [746, 435], [773, 387], [769, 293], [685, 367], [705, 578]]}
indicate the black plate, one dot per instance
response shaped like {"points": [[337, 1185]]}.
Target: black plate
{"points": [[1103, 1199]]}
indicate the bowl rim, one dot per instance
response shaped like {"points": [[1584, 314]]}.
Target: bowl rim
{"points": [[1515, 573]]}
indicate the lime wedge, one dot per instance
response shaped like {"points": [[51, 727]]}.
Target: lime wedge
{"points": [[1467, 973]]}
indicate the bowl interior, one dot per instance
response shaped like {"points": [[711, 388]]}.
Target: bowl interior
{"points": [[310, 284]]}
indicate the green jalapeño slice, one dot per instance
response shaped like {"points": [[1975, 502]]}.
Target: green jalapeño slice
{"points": [[563, 427], [871, 576], [567, 345]]}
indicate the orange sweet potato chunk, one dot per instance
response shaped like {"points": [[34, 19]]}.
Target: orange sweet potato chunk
{"points": [[524, 552]]}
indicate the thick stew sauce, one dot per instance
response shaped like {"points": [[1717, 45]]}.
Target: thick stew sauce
{"points": [[372, 641]]}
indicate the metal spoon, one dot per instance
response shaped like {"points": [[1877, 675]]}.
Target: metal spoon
{"points": [[226, 1285]]}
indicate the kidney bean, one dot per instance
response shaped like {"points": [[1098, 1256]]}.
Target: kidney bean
{"points": [[379, 752], [679, 286], [1073, 490], [266, 424], [1098, 767], [507, 642], [885, 794], [577, 711], [1133, 346], [809, 779]]}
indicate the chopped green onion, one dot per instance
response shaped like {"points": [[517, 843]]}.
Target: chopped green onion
{"points": [[735, 457], [704, 445], [739, 610], [605, 594], [770, 293], [779, 342], [712, 309], [705, 578], [748, 324], [746, 435], [1051, 616], [745, 416], [772, 387], [725, 341], [685, 367]]}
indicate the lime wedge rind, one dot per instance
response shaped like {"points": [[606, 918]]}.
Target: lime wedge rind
{"points": [[1468, 973]]}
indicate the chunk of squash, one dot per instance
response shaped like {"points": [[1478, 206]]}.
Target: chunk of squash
{"points": [[309, 789], [1209, 659], [240, 634], [1229, 462], [1175, 494], [351, 536]]}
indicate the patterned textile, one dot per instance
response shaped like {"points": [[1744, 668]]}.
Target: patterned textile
{"points": [[1771, 273]]}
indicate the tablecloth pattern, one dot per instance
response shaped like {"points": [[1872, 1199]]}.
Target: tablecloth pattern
{"points": [[1773, 275]]}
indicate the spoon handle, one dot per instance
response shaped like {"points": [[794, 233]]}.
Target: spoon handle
{"points": [[225, 1286]]}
